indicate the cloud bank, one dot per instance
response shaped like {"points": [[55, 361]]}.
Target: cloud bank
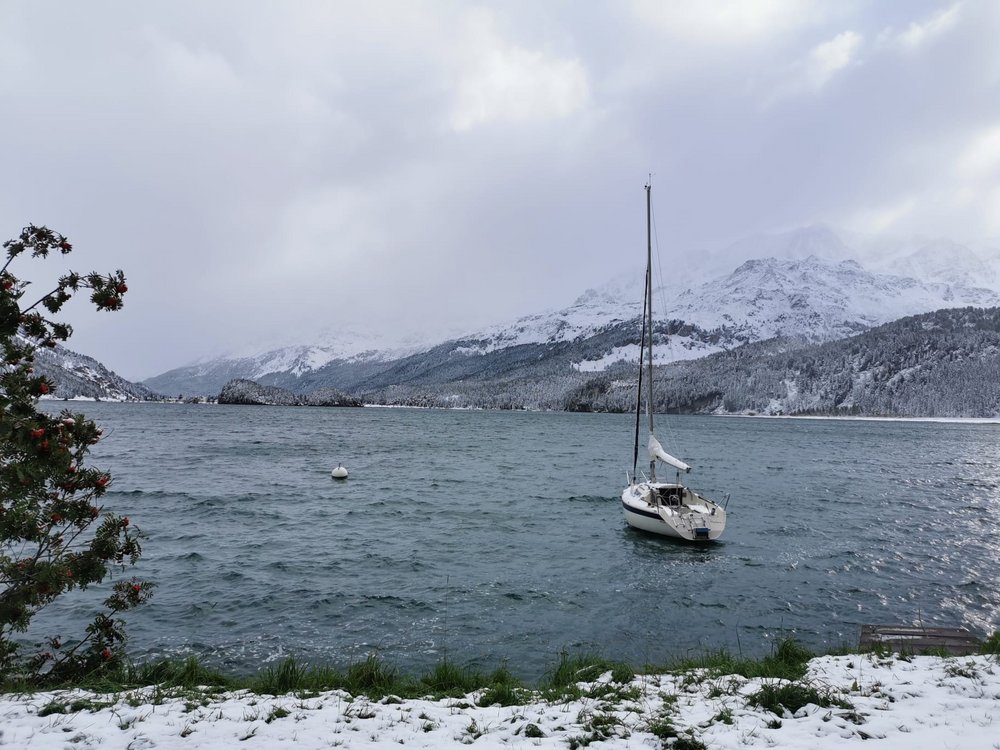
{"points": [[267, 171]]}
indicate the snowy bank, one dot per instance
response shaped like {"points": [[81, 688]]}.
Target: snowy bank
{"points": [[917, 702]]}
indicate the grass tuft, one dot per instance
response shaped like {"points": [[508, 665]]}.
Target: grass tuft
{"points": [[189, 674], [571, 669], [288, 676], [992, 644], [663, 728], [688, 742], [376, 679], [533, 731], [448, 680], [792, 696], [788, 662], [53, 707], [503, 688]]}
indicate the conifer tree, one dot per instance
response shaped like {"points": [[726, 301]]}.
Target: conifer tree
{"points": [[54, 535]]}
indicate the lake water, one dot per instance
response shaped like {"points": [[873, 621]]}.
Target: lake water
{"points": [[485, 536]]}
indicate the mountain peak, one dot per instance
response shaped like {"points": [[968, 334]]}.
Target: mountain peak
{"points": [[806, 282]]}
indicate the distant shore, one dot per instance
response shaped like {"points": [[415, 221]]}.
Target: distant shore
{"points": [[941, 420], [833, 417]]}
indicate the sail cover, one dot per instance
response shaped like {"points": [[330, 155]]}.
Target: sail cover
{"points": [[656, 451]]}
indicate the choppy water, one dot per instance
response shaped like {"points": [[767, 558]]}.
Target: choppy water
{"points": [[498, 535]]}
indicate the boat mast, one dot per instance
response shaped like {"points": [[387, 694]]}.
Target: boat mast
{"points": [[638, 392], [649, 319]]}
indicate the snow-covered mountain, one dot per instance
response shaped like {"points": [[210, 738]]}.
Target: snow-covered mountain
{"points": [[810, 299], [939, 364], [815, 298], [79, 376], [817, 240], [811, 287], [350, 348], [931, 260]]}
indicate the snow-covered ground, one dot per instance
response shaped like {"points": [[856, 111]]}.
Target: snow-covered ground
{"points": [[923, 702]]}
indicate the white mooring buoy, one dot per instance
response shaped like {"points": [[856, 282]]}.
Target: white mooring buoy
{"points": [[339, 473]]}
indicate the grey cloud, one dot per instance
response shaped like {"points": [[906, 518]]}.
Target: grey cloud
{"points": [[267, 170]]}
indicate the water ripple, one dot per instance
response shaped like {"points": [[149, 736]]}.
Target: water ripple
{"points": [[435, 545]]}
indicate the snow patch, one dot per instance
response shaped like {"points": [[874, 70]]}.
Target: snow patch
{"points": [[920, 702]]}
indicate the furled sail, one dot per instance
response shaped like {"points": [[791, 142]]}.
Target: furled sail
{"points": [[656, 451]]}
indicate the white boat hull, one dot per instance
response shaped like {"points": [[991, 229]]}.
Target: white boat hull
{"points": [[672, 510]]}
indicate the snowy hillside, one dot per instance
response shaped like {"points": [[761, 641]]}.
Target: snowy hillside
{"points": [[804, 284], [815, 298], [812, 299], [930, 260], [207, 377], [939, 364], [78, 376], [818, 241]]}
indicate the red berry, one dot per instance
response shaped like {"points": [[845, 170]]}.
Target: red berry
{"points": [[43, 388], [125, 522], [7, 283], [121, 288], [37, 433], [94, 511], [106, 653], [103, 481], [69, 573], [136, 587], [44, 445], [56, 518]]}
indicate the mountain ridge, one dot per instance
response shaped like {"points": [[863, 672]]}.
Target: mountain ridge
{"points": [[760, 305], [809, 298], [78, 376]]}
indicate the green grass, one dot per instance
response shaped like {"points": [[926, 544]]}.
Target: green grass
{"points": [[373, 677], [992, 644], [792, 696], [788, 662], [561, 681], [188, 674], [504, 688], [449, 680], [670, 737], [585, 667], [532, 731]]}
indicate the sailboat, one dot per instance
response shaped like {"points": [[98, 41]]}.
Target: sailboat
{"points": [[667, 508]]}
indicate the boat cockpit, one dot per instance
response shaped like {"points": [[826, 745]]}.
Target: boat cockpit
{"points": [[670, 497]]}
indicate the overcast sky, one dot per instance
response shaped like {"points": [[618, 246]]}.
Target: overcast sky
{"points": [[263, 171]]}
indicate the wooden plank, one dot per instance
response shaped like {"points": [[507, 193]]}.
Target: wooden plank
{"points": [[917, 639]]}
